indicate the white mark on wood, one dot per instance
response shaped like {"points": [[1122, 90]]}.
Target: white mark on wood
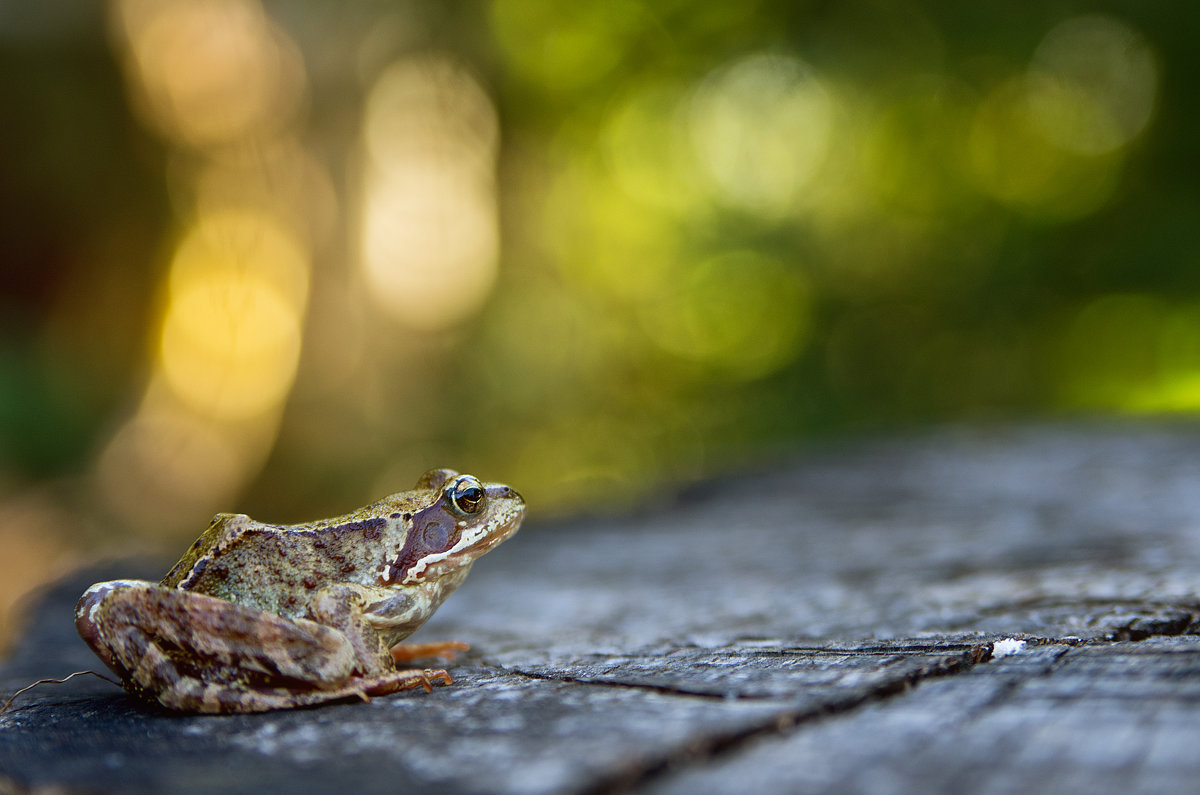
{"points": [[1003, 648]]}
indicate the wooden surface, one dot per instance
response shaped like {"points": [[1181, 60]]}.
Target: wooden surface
{"points": [[827, 625]]}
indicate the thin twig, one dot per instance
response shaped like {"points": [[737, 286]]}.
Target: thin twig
{"points": [[54, 682]]}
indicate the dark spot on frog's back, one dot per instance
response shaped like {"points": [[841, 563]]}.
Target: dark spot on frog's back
{"points": [[371, 529]]}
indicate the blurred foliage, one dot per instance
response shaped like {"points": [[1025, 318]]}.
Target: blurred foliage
{"points": [[283, 257]]}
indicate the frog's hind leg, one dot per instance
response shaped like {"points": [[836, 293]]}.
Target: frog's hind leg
{"points": [[197, 653], [243, 690]]}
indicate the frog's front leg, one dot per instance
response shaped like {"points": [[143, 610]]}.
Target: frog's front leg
{"points": [[197, 653], [342, 606]]}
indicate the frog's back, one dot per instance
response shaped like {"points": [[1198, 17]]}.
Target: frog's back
{"points": [[221, 529], [277, 568]]}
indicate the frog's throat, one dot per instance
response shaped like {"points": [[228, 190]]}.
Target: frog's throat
{"points": [[400, 614]]}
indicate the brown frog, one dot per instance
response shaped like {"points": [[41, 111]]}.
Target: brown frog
{"points": [[257, 617]]}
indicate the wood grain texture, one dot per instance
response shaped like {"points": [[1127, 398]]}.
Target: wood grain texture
{"points": [[824, 625]]}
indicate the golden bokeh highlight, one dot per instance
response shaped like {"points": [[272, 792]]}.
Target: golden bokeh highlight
{"points": [[229, 246], [223, 86], [209, 73], [429, 243], [228, 351], [231, 332]]}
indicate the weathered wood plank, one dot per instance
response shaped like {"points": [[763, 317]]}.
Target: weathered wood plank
{"points": [[1121, 717], [826, 624]]}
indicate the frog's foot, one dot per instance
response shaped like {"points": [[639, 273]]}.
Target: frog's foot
{"points": [[362, 688], [404, 680], [444, 651], [222, 699], [214, 698]]}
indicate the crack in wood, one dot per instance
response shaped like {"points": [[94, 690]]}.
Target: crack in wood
{"points": [[667, 689], [710, 749], [1183, 622], [1006, 689], [881, 650]]}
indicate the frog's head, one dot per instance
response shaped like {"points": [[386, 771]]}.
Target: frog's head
{"points": [[461, 520]]}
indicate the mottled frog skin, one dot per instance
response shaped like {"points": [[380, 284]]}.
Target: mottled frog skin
{"points": [[257, 617]]}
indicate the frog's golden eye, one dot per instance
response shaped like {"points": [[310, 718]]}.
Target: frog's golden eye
{"points": [[466, 494]]}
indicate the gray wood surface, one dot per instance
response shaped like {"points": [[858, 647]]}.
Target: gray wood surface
{"points": [[825, 625]]}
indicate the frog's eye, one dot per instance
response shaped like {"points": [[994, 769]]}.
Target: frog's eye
{"points": [[465, 494]]}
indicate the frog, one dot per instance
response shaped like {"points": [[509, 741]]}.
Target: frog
{"points": [[257, 617]]}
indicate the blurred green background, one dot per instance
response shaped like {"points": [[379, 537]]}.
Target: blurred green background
{"points": [[282, 257]]}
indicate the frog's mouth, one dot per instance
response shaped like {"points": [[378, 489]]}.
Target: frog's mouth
{"points": [[462, 554]]}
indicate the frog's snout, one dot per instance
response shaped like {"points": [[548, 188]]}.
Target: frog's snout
{"points": [[498, 491]]}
